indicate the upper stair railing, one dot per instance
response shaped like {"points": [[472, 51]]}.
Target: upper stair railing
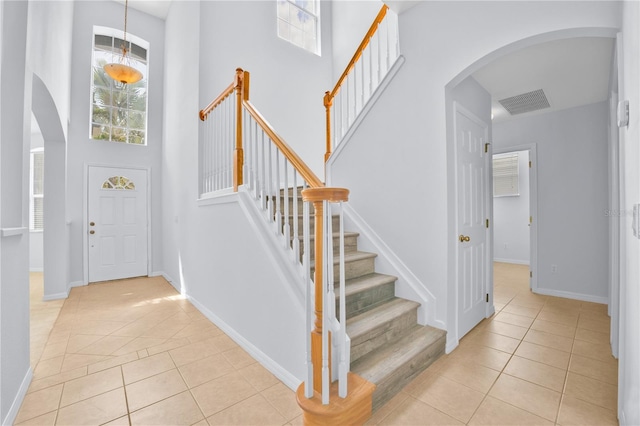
{"points": [[240, 149], [374, 57]]}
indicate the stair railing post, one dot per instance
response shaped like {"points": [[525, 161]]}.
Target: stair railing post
{"points": [[238, 153], [328, 102], [316, 334]]}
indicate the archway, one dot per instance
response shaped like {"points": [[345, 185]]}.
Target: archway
{"points": [[56, 235], [453, 193]]}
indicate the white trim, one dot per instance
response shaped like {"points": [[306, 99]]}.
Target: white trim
{"points": [[11, 232], [56, 296], [533, 210], [572, 295], [222, 196], [291, 381], [408, 285], [10, 418], [360, 118], [512, 261], [36, 269]]}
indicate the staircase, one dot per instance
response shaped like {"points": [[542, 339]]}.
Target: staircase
{"points": [[388, 347]]}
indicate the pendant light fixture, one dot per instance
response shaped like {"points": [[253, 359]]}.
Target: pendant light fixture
{"points": [[122, 71]]}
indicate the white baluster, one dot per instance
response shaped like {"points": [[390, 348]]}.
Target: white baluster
{"points": [[306, 268], [263, 195], [269, 183], [278, 217], [287, 227], [325, 319], [343, 366], [296, 233]]}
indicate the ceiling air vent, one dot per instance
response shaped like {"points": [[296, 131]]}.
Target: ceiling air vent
{"points": [[525, 102]]}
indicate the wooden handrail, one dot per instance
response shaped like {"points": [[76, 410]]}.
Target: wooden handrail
{"points": [[204, 113], [296, 162], [328, 96], [363, 45]]}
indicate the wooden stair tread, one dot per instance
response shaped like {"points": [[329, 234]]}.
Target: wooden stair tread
{"points": [[350, 257], [365, 282], [334, 234], [378, 365], [365, 322]]}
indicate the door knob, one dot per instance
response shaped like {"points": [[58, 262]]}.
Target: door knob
{"points": [[464, 238], [92, 224], [92, 232]]}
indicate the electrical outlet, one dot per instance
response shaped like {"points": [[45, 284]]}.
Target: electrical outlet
{"points": [[554, 269]]}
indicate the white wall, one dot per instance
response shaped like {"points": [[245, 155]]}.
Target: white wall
{"points": [[350, 21], [629, 361], [572, 197], [81, 150], [14, 244], [287, 83], [396, 164], [50, 26], [511, 219]]}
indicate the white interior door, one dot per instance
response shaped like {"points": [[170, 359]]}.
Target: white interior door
{"points": [[117, 223], [472, 176]]}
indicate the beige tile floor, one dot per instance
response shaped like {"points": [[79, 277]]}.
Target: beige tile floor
{"points": [[135, 352]]}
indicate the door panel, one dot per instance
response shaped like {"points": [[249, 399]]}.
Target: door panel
{"points": [[117, 238], [473, 210]]}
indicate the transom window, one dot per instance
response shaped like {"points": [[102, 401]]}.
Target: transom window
{"points": [[118, 182], [299, 23], [118, 111]]}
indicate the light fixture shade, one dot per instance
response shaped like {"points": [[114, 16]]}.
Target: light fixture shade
{"points": [[123, 73]]}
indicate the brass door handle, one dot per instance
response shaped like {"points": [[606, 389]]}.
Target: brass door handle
{"points": [[464, 238], [92, 232]]}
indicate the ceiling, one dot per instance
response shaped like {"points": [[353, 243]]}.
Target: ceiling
{"points": [[571, 72], [157, 8]]}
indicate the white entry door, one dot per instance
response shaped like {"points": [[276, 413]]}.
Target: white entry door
{"points": [[473, 155], [117, 223]]}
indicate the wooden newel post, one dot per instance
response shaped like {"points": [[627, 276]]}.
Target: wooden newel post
{"points": [[238, 153], [328, 102], [317, 196]]}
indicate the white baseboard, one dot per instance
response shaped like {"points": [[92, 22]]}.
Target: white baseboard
{"points": [[168, 278], [512, 261], [572, 295], [276, 369], [17, 402], [36, 269], [55, 296]]}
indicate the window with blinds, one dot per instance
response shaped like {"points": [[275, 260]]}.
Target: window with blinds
{"points": [[36, 211], [505, 175]]}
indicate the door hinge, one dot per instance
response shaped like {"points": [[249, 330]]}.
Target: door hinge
{"points": [[530, 274], [487, 223], [486, 147], [487, 297], [530, 219], [529, 164]]}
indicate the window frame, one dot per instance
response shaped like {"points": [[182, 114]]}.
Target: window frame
{"points": [[507, 172], [32, 195], [316, 14], [140, 43]]}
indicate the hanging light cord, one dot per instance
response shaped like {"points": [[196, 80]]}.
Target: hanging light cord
{"points": [[124, 41]]}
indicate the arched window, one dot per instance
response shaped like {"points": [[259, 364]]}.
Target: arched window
{"points": [[118, 182], [118, 111]]}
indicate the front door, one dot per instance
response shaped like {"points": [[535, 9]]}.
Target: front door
{"points": [[473, 156], [117, 228]]}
